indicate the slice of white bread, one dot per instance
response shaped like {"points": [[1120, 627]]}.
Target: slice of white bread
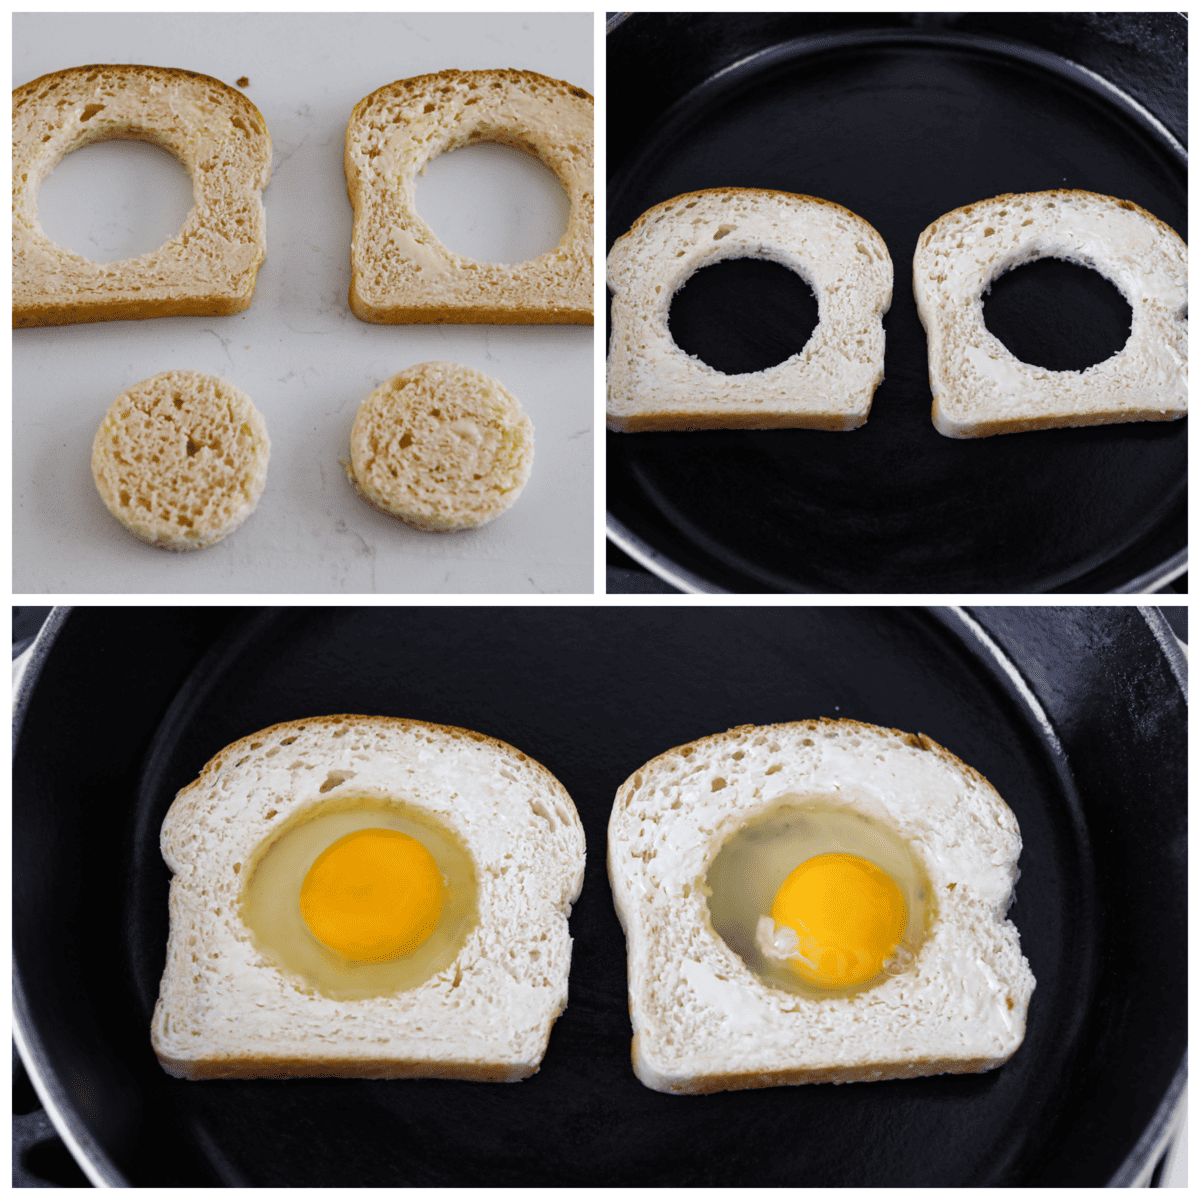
{"points": [[400, 273], [227, 1011], [441, 446], [703, 1022], [653, 384], [181, 459], [209, 268], [979, 386]]}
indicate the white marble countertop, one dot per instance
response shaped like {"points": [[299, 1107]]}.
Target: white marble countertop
{"points": [[301, 355]]}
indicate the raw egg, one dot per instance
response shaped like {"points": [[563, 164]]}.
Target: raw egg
{"points": [[363, 896], [819, 899]]}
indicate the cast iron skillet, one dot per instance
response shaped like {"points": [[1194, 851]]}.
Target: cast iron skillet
{"points": [[901, 118], [1074, 714]]}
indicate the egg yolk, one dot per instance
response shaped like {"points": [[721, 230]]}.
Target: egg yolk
{"points": [[373, 895], [847, 916]]}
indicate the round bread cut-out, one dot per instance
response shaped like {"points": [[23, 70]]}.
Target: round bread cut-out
{"points": [[441, 446], [210, 267], [181, 459], [401, 273], [979, 386], [829, 384]]}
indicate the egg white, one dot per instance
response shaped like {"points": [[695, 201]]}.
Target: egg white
{"points": [[270, 900], [751, 866]]}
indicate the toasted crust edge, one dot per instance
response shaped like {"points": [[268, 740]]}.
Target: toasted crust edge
{"points": [[1131, 206], [136, 68], [344, 1068], [737, 191], [468, 315], [918, 741], [703, 1085], [217, 761], [38, 315], [665, 422]]}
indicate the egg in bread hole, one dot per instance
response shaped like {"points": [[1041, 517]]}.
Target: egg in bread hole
{"points": [[360, 896], [816, 901], [819, 899]]}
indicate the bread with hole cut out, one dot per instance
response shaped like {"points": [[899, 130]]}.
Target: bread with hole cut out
{"points": [[704, 1021], [181, 459], [979, 386], [827, 384], [400, 272], [228, 1008], [210, 266]]}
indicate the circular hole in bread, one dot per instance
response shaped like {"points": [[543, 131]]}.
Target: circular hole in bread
{"points": [[271, 899], [1058, 315], [743, 314], [492, 203], [115, 199], [746, 875]]}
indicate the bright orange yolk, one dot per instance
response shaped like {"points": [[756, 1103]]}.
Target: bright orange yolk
{"points": [[373, 895], [847, 915]]}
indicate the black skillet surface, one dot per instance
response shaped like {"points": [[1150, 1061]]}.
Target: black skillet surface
{"points": [[901, 118], [130, 703]]}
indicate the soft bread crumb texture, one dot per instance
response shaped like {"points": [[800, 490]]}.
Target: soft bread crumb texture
{"points": [[703, 1022], [226, 1011], [979, 386], [828, 384], [441, 446], [400, 272], [181, 459], [209, 268]]}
